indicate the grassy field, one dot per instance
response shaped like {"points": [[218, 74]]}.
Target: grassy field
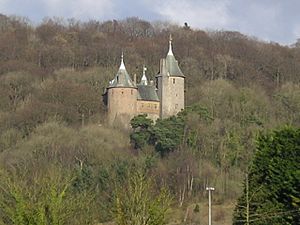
{"points": [[198, 215], [221, 215]]}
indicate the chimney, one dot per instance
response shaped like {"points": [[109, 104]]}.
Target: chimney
{"points": [[163, 67], [134, 79]]}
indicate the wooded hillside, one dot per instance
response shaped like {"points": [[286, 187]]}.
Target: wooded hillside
{"points": [[61, 163]]}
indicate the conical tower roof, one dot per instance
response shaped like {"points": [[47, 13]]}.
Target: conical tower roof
{"points": [[171, 63], [122, 78]]}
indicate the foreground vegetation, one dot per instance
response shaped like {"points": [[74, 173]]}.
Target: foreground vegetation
{"points": [[61, 163], [271, 194]]}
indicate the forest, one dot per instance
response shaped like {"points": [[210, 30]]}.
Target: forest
{"points": [[61, 164]]}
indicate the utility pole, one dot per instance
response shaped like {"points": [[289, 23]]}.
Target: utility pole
{"points": [[247, 199], [209, 189]]}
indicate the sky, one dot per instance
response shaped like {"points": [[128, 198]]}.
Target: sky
{"points": [[268, 20]]}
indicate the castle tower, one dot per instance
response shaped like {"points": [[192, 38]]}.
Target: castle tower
{"points": [[121, 98], [170, 85]]}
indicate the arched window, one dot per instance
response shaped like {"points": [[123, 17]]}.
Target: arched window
{"points": [[173, 80]]}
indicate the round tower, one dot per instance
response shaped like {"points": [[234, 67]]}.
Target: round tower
{"points": [[121, 98]]}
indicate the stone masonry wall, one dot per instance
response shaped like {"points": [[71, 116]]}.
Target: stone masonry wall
{"points": [[151, 108], [122, 105], [172, 99]]}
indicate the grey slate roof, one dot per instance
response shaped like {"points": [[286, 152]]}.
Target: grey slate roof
{"points": [[122, 78], [172, 66], [147, 93]]}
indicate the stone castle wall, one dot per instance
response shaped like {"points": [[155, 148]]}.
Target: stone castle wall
{"points": [[151, 108], [122, 105], [171, 91]]}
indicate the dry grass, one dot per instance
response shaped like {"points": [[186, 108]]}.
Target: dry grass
{"points": [[221, 215]]}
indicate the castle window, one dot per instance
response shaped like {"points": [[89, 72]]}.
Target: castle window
{"points": [[131, 92], [173, 80]]}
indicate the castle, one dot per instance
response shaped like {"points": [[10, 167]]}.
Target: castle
{"points": [[125, 98]]}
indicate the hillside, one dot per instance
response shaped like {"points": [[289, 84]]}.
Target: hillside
{"points": [[53, 132]]}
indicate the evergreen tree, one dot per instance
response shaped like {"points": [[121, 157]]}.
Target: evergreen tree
{"points": [[271, 194], [141, 135], [165, 135]]}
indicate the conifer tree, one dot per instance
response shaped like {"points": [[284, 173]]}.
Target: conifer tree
{"points": [[271, 194]]}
